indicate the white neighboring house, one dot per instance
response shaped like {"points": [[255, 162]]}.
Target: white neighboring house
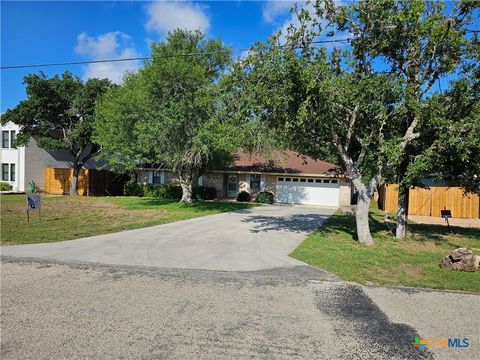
{"points": [[23, 164], [12, 157]]}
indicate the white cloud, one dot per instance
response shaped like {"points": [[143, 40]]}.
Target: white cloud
{"points": [[164, 16], [293, 21], [273, 9], [112, 45]]}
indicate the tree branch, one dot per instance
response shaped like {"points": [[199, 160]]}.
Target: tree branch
{"points": [[353, 118]]}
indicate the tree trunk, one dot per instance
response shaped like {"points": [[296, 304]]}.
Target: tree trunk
{"points": [[186, 184], [361, 218], [365, 195], [402, 212], [74, 183]]}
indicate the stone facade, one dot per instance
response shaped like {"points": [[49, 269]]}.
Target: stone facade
{"points": [[345, 192], [218, 180]]}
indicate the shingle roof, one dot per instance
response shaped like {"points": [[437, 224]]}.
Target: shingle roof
{"points": [[289, 162]]}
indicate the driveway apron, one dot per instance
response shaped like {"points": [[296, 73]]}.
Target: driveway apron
{"points": [[246, 240]]}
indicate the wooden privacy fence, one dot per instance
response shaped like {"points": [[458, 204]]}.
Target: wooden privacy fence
{"points": [[90, 182], [429, 202], [58, 181]]}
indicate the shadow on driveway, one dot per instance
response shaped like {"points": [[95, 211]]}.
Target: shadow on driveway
{"points": [[297, 223]]}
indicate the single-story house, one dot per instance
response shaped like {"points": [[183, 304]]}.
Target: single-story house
{"points": [[292, 178]]}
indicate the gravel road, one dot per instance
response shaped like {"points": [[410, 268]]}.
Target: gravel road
{"points": [[58, 310]]}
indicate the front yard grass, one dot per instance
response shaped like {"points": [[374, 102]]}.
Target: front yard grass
{"points": [[410, 262], [68, 217]]}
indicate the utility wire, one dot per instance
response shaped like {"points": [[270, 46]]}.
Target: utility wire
{"points": [[8, 67]]}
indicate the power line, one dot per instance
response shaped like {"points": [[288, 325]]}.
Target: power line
{"points": [[9, 67]]}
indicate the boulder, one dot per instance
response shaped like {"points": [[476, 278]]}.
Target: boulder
{"points": [[461, 259]]}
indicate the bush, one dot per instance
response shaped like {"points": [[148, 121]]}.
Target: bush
{"points": [[204, 192], [244, 196], [168, 191], [5, 186], [171, 192], [132, 188], [265, 197]]}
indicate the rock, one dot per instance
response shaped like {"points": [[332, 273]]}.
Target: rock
{"points": [[461, 259]]}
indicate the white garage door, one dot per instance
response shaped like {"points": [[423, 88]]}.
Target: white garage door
{"points": [[295, 190]]}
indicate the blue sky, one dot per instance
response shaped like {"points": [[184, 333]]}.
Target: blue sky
{"points": [[45, 32]]}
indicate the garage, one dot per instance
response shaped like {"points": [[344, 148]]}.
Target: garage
{"points": [[311, 191]]}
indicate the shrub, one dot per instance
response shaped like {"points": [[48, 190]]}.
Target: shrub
{"points": [[173, 192], [204, 192], [132, 188], [167, 191], [5, 186], [265, 197], [244, 196]]}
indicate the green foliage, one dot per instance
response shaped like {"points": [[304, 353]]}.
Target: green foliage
{"points": [[204, 192], [265, 197], [244, 196], [133, 188], [168, 113], [4, 186], [167, 191], [362, 103]]}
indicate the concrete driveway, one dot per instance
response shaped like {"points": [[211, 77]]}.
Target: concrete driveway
{"points": [[246, 240]]}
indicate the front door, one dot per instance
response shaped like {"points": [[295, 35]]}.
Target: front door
{"points": [[232, 186]]}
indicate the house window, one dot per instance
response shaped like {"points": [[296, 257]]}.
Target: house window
{"points": [[326, 181], [318, 180], [12, 172], [13, 139], [310, 180], [295, 179], [5, 144], [288, 179], [5, 172], [255, 180], [334, 181], [280, 179], [303, 180], [157, 177]]}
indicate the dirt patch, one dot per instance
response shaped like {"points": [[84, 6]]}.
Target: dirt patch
{"points": [[412, 270], [428, 246]]}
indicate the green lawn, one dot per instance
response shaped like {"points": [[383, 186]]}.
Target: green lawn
{"points": [[66, 217], [410, 262]]}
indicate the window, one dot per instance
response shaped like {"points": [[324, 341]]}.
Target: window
{"points": [[318, 180], [326, 181], [255, 180], [280, 179], [334, 181], [303, 180], [157, 177], [288, 179], [5, 172], [5, 144], [310, 180], [295, 179], [12, 172], [13, 139]]}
